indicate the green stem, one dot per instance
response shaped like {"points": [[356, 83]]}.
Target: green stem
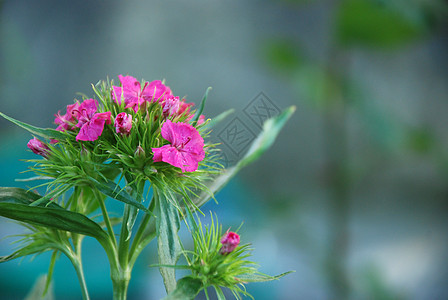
{"points": [[82, 282], [120, 273], [120, 283], [105, 216], [76, 261], [142, 238], [123, 246]]}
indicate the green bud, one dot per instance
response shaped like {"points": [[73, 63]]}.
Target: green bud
{"points": [[139, 157], [150, 170], [140, 152]]}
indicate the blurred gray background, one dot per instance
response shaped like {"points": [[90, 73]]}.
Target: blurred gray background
{"points": [[353, 196]]}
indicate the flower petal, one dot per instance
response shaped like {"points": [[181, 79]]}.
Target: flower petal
{"points": [[186, 149], [159, 151], [91, 130], [155, 91]]}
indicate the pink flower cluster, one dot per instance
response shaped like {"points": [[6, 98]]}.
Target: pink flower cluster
{"points": [[134, 96], [186, 146], [229, 242]]}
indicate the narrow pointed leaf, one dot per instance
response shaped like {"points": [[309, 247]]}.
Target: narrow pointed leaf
{"points": [[17, 195], [33, 248], [47, 133], [219, 293], [54, 218], [169, 248], [113, 190], [21, 196], [261, 277], [54, 257], [271, 129], [47, 199], [201, 107]]}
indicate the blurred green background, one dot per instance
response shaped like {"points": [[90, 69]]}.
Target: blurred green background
{"points": [[353, 195]]}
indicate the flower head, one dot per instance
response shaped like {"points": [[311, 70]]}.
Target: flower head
{"points": [[134, 96], [90, 122], [66, 121], [229, 242], [186, 149], [170, 106], [38, 147], [123, 123]]}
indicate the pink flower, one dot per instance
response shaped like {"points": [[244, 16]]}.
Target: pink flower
{"points": [[170, 106], [91, 124], [66, 122], [133, 94], [229, 242], [184, 107], [38, 147], [123, 123], [201, 119], [186, 149]]}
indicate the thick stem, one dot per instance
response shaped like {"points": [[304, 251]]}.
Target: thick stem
{"points": [[120, 274], [123, 246]]}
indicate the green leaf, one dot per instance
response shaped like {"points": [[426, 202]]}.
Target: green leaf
{"points": [[54, 257], [219, 293], [21, 196], [32, 248], [54, 218], [47, 199], [261, 277], [187, 288], [113, 190], [47, 133], [271, 128], [167, 226], [201, 107]]}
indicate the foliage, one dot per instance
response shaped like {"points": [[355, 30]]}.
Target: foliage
{"points": [[101, 143]]}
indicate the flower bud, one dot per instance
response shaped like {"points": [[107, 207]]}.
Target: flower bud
{"points": [[149, 170], [229, 242], [38, 147], [139, 157], [170, 106], [140, 152], [123, 123]]}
